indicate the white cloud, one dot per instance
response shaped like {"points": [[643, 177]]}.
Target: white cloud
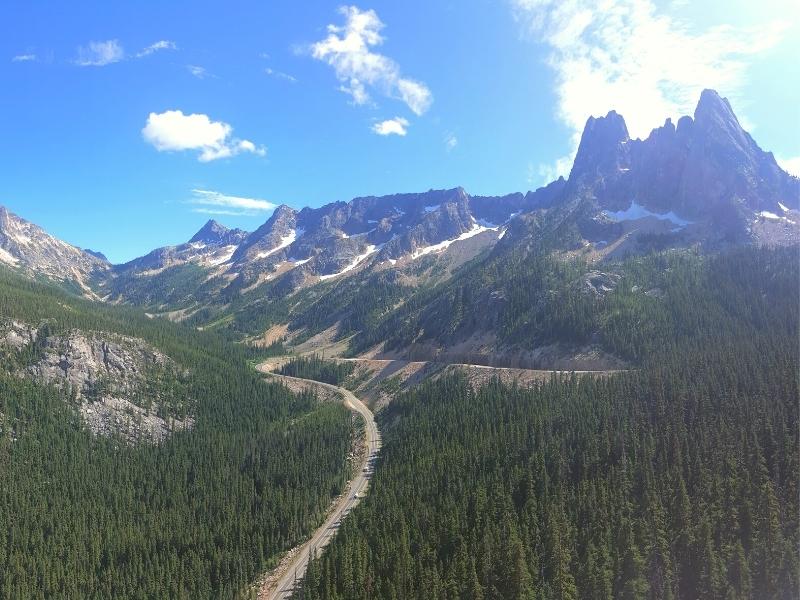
{"points": [[217, 203], [155, 47], [99, 54], [24, 58], [627, 56], [172, 130], [197, 71], [551, 171], [396, 126], [347, 50], [450, 141], [790, 165], [280, 75]]}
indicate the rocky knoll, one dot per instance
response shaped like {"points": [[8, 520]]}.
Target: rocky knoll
{"points": [[120, 385]]}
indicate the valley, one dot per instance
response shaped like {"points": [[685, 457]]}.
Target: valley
{"points": [[588, 390], [283, 582]]}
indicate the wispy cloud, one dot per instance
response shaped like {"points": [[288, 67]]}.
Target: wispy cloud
{"points": [[23, 58], [280, 75], [628, 56], [174, 131], [99, 54], [217, 203], [156, 47], [347, 49], [396, 126], [198, 71], [450, 141]]}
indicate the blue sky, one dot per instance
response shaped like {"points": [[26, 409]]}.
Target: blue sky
{"points": [[125, 126]]}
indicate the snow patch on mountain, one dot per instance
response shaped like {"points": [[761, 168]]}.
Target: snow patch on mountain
{"points": [[223, 257], [286, 240], [371, 249], [636, 212], [435, 248]]}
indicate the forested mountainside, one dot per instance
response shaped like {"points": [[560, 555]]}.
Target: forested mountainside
{"points": [[678, 480], [200, 514], [633, 308], [317, 368]]}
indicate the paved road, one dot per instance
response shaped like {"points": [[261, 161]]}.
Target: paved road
{"points": [[355, 491]]}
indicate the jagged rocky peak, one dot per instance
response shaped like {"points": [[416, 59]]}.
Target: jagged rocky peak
{"points": [[706, 168], [714, 114], [210, 232], [281, 223], [602, 145], [727, 166], [215, 233], [274, 236], [29, 247], [283, 216]]}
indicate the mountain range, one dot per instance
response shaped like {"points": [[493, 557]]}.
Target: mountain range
{"points": [[702, 183], [146, 453]]}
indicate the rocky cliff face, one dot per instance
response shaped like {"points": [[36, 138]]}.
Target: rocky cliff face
{"points": [[273, 237], [707, 172], [114, 381], [30, 248]]}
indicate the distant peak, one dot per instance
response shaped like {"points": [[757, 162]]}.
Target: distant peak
{"points": [[211, 232], [712, 106], [709, 97], [284, 209], [715, 119], [601, 141], [610, 129], [282, 215]]}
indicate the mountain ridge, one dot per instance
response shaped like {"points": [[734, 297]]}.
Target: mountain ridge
{"points": [[703, 184]]}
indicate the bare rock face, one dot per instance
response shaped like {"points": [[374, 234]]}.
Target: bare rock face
{"points": [[271, 238], [109, 378], [598, 283], [82, 361], [30, 248], [441, 222], [708, 171], [216, 233]]}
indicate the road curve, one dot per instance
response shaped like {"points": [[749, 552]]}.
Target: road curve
{"points": [[357, 486]]}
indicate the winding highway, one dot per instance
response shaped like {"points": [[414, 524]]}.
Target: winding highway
{"points": [[293, 572]]}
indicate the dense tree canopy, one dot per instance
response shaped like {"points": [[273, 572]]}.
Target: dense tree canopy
{"points": [[676, 480], [200, 515], [319, 369]]}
